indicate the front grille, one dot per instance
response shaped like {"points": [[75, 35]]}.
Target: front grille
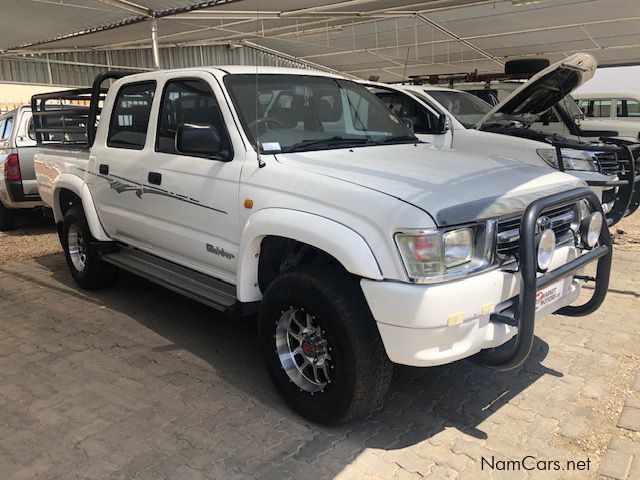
{"points": [[562, 220], [608, 163]]}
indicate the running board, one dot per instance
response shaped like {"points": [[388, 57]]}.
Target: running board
{"points": [[192, 284]]}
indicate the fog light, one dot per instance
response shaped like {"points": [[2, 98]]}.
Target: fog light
{"points": [[546, 247], [591, 228]]}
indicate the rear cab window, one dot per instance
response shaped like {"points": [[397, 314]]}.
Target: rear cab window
{"points": [[130, 116]]}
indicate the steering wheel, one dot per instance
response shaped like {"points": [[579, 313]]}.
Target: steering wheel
{"points": [[266, 120]]}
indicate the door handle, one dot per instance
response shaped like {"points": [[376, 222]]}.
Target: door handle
{"points": [[103, 169], [155, 178]]}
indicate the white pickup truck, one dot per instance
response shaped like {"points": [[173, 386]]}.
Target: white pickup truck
{"points": [[299, 196]]}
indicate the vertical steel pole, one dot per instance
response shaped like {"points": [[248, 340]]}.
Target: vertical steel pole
{"points": [[154, 42]]}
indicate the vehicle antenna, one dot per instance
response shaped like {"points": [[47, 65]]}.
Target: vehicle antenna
{"points": [[406, 61], [261, 163]]}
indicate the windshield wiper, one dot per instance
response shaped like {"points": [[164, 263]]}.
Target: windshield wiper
{"points": [[337, 140], [400, 139]]}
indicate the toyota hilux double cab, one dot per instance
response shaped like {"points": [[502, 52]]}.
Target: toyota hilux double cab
{"points": [[610, 166], [18, 188], [298, 196]]}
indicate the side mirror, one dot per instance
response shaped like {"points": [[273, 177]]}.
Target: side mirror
{"points": [[199, 141], [444, 123], [409, 124], [545, 118]]}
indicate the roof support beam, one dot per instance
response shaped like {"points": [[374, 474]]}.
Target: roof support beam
{"points": [[130, 7], [459, 39]]}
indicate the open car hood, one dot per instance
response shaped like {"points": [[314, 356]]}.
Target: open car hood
{"points": [[543, 90]]}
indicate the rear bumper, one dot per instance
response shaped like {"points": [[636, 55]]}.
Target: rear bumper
{"points": [[12, 196]]}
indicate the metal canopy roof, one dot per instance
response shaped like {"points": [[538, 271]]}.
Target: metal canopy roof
{"points": [[386, 38]]}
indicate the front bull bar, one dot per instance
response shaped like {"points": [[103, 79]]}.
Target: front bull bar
{"points": [[513, 353]]}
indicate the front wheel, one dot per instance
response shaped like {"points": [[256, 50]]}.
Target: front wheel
{"points": [[81, 253], [321, 345]]}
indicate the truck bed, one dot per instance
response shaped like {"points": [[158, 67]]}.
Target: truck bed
{"points": [[54, 162]]}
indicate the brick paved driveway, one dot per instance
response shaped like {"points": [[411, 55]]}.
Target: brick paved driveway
{"points": [[138, 382]]}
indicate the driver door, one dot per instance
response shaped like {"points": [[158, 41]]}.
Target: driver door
{"points": [[191, 202]]}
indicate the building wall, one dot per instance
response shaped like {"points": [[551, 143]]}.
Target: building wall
{"points": [[12, 95], [80, 68]]}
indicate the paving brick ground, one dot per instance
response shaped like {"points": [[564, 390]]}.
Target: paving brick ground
{"points": [[135, 382]]}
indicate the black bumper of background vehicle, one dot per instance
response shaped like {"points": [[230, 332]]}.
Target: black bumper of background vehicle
{"points": [[515, 352]]}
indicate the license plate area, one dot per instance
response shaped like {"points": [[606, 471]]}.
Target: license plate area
{"points": [[549, 295]]}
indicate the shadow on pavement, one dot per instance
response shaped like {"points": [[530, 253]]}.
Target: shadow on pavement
{"points": [[421, 402]]}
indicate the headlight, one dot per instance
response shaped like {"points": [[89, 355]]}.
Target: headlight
{"points": [[546, 247], [458, 247], [429, 254], [591, 228], [571, 159]]}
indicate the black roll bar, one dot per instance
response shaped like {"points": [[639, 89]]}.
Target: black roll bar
{"points": [[514, 353], [59, 112]]}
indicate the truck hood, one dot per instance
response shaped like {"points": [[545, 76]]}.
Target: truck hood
{"points": [[543, 90], [453, 187]]}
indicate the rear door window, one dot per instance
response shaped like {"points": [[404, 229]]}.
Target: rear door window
{"points": [[130, 117]]}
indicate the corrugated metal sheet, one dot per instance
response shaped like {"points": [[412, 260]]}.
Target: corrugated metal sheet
{"points": [[80, 68]]}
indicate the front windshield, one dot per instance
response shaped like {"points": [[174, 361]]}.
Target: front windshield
{"points": [[286, 113], [467, 108]]}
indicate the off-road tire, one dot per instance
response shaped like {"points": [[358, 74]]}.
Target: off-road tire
{"points": [[7, 218], [361, 369], [96, 273]]}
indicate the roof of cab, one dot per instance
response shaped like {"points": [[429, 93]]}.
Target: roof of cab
{"points": [[240, 70]]}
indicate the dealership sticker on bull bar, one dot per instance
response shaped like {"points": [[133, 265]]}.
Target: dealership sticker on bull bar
{"points": [[271, 147], [550, 294]]}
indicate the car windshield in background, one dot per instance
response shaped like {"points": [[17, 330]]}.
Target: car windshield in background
{"points": [[467, 108], [287, 113], [571, 107]]}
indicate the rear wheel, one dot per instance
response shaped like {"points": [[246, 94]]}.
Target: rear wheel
{"points": [[7, 218], [81, 252], [321, 345]]}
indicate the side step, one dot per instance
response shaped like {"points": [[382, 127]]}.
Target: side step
{"points": [[192, 284]]}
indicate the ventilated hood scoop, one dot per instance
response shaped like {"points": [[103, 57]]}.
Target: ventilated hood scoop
{"points": [[543, 90]]}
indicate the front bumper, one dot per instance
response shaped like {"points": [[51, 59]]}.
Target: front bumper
{"points": [[425, 325], [428, 325]]}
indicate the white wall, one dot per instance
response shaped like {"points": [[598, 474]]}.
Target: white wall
{"points": [[613, 79]]}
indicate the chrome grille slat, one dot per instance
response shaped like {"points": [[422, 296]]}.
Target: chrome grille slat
{"points": [[561, 220]]}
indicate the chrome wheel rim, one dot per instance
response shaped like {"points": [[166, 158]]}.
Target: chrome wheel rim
{"points": [[303, 350], [77, 248]]}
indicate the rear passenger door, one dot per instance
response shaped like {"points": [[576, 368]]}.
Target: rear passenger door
{"points": [[191, 202], [117, 164]]}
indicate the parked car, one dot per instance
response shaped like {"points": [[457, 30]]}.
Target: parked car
{"points": [[18, 188], [608, 106], [298, 195], [425, 106]]}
